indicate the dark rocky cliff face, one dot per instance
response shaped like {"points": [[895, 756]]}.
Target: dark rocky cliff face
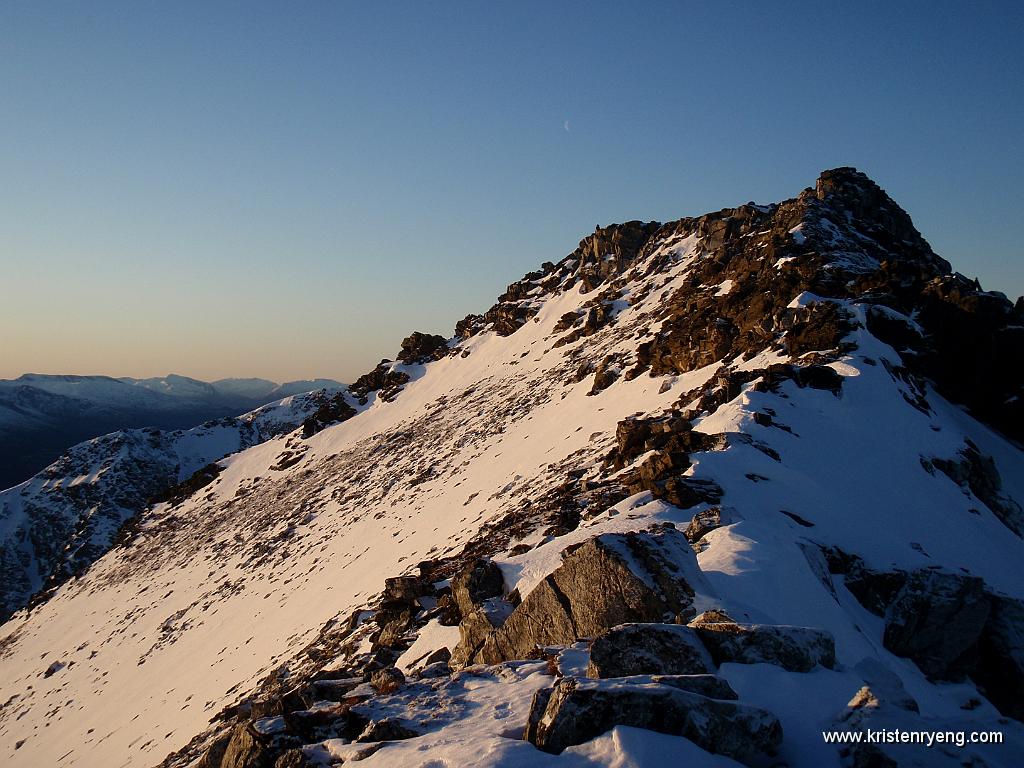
{"points": [[845, 239]]}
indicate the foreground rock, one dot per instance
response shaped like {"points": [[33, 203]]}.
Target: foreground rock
{"points": [[648, 649], [1000, 667], [934, 619], [606, 581], [575, 711], [795, 649]]}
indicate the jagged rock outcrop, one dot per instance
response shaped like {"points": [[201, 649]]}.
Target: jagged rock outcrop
{"points": [[606, 581], [336, 410], [979, 474], [419, 348]]}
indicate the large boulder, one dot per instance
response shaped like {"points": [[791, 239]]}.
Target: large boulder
{"points": [[576, 711], [476, 628], [245, 750], [796, 649], [648, 649], [612, 579], [935, 618], [1000, 670]]}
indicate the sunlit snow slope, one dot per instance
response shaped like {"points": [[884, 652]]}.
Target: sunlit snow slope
{"points": [[132, 660]]}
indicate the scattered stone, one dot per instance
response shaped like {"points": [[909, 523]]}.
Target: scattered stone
{"points": [[606, 373], [436, 669], [387, 680], [387, 729], [292, 758], [333, 690], [707, 520], [648, 649]]}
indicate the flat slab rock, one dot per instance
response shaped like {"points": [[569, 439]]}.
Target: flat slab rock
{"points": [[577, 710], [795, 649], [649, 649], [612, 579]]}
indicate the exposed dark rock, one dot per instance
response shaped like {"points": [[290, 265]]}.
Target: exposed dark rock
{"points": [[935, 618], [648, 649], [813, 376], [387, 729], [870, 756], [610, 251], [978, 472], [214, 754], [382, 380], [821, 328], [244, 750], [537, 709], [796, 649], [477, 627], [187, 488], [847, 190], [671, 439], [705, 521], [387, 680], [334, 411], [406, 589], [481, 581], [1000, 665], [333, 690], [712, 686], [579, 710], [875, 589], [605, 375], [606, 581], [422, 348], [292, 758]]}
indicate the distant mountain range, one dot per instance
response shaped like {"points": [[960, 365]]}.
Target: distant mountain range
{"points": [[42, 415]]}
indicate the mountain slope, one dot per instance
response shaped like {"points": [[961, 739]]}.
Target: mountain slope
{"points": [[781, 373], [57, 523], [42, 415]]}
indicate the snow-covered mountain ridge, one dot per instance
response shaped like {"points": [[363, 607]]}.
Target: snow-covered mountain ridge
{"points": [[57, 523], [42, 415], [779, 381]]}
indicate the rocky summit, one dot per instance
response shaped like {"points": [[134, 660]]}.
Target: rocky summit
{"points": [[696, 494]]}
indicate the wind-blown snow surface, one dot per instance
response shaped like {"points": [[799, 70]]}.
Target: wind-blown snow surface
{"points": [[158, 636]]}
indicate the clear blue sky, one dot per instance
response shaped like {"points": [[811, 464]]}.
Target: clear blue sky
{"points": [[287, 189]]}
